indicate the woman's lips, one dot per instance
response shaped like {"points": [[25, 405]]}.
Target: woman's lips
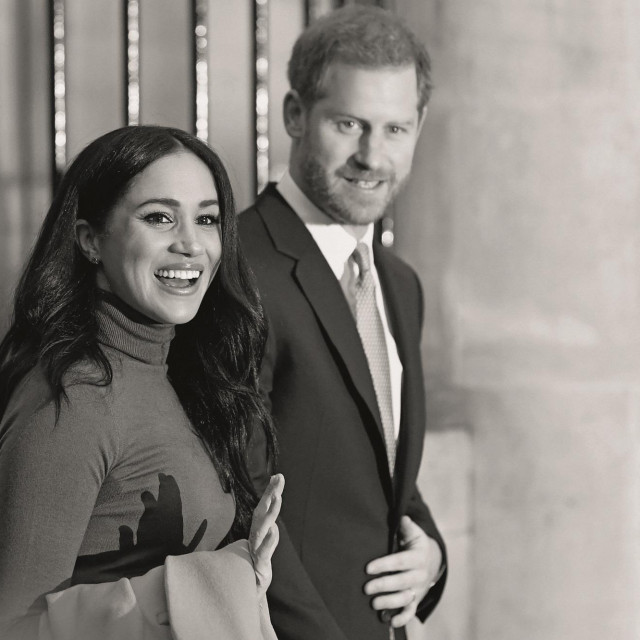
{"points": [[179, 276]]}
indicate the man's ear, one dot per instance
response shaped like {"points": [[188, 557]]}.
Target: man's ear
{"points": [[422, 116], [87, 240], [293, 112]]}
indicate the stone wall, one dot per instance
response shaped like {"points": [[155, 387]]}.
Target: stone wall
{"points": [[523, 219]]}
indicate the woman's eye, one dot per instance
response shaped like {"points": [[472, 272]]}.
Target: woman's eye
{"points": [[208, 219], [157, 218]]}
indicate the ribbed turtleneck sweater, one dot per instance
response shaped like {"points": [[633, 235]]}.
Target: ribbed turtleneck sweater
{"points": [[119, 482]]}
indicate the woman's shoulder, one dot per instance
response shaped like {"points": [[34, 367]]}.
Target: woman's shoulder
{"points": [[85, 404], [43, 442]]}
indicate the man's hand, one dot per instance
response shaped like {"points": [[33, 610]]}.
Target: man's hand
{"points": [[264, 534], [411, 573]]}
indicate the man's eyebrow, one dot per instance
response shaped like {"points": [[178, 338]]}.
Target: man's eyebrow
{"points": [[403, 122]]}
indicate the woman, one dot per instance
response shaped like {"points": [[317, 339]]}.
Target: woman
{"points": [[128, 387]]}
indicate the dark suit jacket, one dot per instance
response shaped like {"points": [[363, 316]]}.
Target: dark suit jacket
{"points": [[341, 508]]}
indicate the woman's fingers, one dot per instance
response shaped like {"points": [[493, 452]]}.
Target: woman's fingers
{"points": [[265, 514], [262, 559], [269, 544], [264, 534]]}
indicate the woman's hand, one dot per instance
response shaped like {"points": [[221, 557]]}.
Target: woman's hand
{"points": [[263, 537]]}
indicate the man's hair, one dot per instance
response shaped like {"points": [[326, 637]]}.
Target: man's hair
{"points": [[362, 36]]}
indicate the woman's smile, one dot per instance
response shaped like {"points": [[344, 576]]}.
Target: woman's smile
{"points": [[180, 278]]}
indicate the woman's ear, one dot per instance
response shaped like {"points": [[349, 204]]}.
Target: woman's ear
{"points": [[294, 114], [87, 240]]}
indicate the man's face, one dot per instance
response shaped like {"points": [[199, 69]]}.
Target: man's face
{"points": [[356, 142]]}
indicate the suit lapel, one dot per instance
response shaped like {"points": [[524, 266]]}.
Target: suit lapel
{"points": [[319, 285]]}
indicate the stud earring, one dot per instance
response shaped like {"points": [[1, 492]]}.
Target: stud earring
{"points": [[94, 260]]}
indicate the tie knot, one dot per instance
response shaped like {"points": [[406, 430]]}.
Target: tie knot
{"points": [[362, 259]]}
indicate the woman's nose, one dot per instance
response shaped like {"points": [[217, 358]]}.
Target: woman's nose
{"points": [[186, 241]]}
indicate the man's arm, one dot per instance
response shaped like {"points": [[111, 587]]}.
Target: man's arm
{"points": [[419, 512], [298, 612]]}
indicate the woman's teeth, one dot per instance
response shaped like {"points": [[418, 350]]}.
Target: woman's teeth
{"points": [[181, 274]]}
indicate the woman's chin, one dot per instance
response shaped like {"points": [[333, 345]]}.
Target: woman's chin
{"points": [[176, 316], [173, 311]]}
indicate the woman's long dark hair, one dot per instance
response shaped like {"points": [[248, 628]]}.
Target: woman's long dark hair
{"points": [[214, 360]]}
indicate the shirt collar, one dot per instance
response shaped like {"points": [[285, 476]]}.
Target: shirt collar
{"points": [[336, 241]]}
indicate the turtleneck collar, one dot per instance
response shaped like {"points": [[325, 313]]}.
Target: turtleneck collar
{"points": [[128, 331]]}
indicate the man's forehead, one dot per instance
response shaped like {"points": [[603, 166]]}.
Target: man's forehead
{"points": [[339, 68], [347, 84]]}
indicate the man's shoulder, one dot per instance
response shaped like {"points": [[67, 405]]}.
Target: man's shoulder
{"points": [[249, 222], [258, 229], [268, 202], [252, 222]]}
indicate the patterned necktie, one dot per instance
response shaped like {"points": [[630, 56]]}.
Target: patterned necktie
{"points": [[371, 333]]}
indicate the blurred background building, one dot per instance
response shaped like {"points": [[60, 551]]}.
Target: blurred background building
{"points": [[522, 218]]}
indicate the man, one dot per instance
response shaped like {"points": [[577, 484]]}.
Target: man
{"points": [[359, 553]]}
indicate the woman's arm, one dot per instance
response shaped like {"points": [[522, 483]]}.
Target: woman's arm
{"points": [[50, 476], [194, 596]]}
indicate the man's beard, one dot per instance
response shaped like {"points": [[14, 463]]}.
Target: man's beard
{"points": [[325, 195]]}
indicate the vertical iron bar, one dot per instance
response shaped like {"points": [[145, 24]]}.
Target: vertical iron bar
{"points": [[58, 92], [200, 74], [261, 88], [131, 22]]}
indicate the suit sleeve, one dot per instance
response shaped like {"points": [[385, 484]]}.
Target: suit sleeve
{"points": [[419, 512], [294, 602]]}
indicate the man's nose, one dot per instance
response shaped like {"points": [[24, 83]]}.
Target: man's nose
{"points": [[186, 241], [370, 154]]}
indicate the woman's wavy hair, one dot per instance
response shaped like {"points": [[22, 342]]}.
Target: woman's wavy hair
{"points": [[214, 359]]}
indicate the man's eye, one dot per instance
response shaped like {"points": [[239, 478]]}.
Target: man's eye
{"points": [[157, 218], [394, 128], [348, 126]]}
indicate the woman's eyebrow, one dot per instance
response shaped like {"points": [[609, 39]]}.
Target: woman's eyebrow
{"points": [[171, 202]]}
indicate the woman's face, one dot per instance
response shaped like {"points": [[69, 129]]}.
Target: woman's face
{"points": [[162, 244]]}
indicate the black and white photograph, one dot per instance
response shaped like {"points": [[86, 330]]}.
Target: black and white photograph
{"points": [[320, 320]]}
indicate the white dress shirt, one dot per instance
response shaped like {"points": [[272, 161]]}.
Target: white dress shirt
{"points": [[337, 242]]}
